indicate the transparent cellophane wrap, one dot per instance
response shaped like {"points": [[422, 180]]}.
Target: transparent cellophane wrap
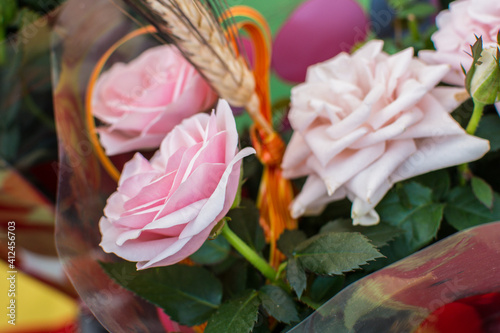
{"points": [[398, 297], [82, 33]]}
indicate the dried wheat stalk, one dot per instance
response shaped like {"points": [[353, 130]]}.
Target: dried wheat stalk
{"points": [[196, 31]]}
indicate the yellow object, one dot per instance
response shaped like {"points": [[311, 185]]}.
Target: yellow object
{"points": [[38, 307]]}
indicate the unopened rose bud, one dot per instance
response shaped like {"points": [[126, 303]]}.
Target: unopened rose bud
{"points": [[485, 82]]}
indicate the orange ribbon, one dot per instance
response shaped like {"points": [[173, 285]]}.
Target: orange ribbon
{"points": [[89, 116], [275, 192]]}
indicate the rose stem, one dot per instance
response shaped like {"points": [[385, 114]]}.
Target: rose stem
{"points": [[477, 113], [250, 255], [413, 26]]}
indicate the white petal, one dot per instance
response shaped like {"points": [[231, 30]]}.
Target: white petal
{"points": [[411, 91], [357, 117], [347, 164], [391, 131], [326, 148], [450, 97], [370, 50], [363, 212], [294, 160], [441, 152], [313, 198], [367, 182]]}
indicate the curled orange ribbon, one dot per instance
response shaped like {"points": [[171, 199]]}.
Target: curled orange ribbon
{"points": [[275, 192], [89, 116]]}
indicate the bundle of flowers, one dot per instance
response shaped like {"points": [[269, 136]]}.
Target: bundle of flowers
{"points": [[232, 221]]}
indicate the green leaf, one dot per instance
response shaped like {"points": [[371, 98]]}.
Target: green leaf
{"points": [[188, 294], [325, 287], [476, 50], [235, 278], [278, 304], [289, 239], [335, 252], [237, 315], [262, 324], [379, 234], [420, 220], [483, 191], [403, 197], [400, 4], [420, 10], [464, 210], [439, 181], [489, 127], [245, 223], [8, 10], [296, 276], [212, 251], [216, 231]]}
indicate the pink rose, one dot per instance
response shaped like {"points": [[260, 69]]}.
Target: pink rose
{"points": [[165, 208], [143, 100], [365, 121], [457, 28]]}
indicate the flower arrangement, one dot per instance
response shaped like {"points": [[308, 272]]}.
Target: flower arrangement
{"points": [[239, 222]]}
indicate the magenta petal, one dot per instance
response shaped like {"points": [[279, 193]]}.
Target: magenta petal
{"points": [[316, 31]]}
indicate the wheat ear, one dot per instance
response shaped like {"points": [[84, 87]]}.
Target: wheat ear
{"points": [[196, 32]]}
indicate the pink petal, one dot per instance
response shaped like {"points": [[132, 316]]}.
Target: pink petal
{"points": [[155, 190], [222, 197], [226, 123], [137, 165], [135, 250], [200, 185]]}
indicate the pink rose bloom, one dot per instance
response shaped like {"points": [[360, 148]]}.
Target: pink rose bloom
{"points": [[165, 208], [365, 121], [457, 27], [140, 102]]}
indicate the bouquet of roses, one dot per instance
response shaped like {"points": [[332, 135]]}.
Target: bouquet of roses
{"points": [[235, 213]]}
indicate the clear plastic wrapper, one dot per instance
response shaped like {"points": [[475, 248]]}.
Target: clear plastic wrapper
{"points": [[401, 296], [83, 31]]}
